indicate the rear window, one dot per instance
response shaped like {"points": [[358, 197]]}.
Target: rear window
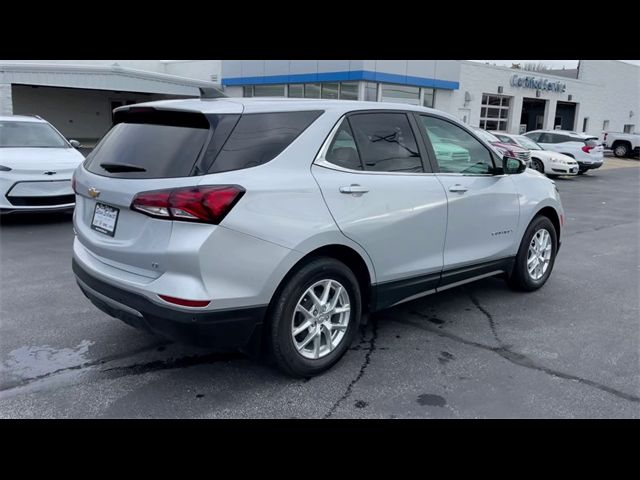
{"points": [[151, 146], [260, 137]]}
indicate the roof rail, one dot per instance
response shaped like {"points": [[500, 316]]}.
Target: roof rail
{"points": [[211, 92]]}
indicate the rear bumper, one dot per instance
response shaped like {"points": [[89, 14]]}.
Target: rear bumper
{"points": [[222, 329], [589, 166]]}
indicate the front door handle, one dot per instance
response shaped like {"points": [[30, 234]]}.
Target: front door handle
{"points": [[354, 189], [457, 188]]}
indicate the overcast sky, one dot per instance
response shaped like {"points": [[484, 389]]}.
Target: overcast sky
{"points": [[551, 63]]}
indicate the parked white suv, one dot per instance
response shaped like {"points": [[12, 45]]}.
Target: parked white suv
{"points": [[36, 164], [229, 222], [584, 148], [544, 161]]}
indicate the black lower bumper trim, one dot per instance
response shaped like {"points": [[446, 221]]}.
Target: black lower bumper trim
{"points": [[224, 329]]}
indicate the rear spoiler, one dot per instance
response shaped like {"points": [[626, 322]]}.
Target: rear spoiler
{"points": [[211, 92]]}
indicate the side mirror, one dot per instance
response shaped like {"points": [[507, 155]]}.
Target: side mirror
{"points": [[74, 143], [512, 166]]}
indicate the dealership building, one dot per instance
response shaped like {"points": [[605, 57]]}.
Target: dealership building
{"points": [[598, 95], [78, 96]]}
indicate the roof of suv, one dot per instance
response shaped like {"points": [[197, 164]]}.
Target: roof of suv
{"points": [[275, 104], [21, 118]]}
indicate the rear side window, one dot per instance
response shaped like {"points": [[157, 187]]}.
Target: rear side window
{"points": [[167, 146], [386, 142], [260, 137]]}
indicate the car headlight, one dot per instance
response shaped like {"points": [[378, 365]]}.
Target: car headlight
{"points": [[559, 161]]}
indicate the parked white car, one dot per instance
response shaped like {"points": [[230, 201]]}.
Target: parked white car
{"points": [[584, 148], [36, 165], [544, 161]]}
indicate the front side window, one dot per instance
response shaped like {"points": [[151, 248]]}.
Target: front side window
{"points": [[386, 143], [343, 151], [456, 150], [30, 135]]}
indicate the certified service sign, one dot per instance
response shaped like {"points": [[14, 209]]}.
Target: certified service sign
{"points": [[538, 84]]}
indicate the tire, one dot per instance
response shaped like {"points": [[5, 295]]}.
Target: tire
{"points": [[581, 172], [283, 318], [520, 278], [621, 150], [537, 165]]}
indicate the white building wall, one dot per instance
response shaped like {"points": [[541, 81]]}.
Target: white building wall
{"points": [[617, 97], [606, 90]]}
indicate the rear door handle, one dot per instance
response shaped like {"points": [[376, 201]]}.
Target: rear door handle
{"points": [[458, 188], [354, 189]]}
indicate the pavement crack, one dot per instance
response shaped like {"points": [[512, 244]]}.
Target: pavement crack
{"points": [[171, 364], [519, 359], [485, 312], [365, 363]]}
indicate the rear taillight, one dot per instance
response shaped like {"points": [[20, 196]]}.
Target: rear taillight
{"points": [[587, 149], [605, 136], [206, 204]]}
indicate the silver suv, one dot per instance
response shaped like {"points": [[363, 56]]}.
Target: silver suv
{"points": [[251, 223]]}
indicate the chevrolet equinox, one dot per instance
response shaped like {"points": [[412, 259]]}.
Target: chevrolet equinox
{"points": [[278, 223]]}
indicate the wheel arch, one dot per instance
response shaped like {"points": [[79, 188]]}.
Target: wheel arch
{"points": [[347, 255], [552, 215]]}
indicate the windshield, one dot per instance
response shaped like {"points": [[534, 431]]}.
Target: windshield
{"points": [[30, 134], [489, 137], [526, 142]]}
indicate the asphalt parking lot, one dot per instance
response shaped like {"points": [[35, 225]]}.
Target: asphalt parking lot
{"points": [[569, 350]]}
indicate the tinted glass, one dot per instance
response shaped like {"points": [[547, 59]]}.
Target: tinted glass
{"points": [[386, 142], [268, 91], [400, 94], [349, 90], [30, 134], [330, 90], [343, 151], [296, 90], [260, 137], [312, 90], [147, 151], [456, 150]]}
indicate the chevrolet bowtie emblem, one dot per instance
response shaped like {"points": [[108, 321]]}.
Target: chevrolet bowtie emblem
{"points": [[94, 192], [50, 172]]}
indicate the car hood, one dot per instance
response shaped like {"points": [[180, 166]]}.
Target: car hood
{"points": [[40, 158]]}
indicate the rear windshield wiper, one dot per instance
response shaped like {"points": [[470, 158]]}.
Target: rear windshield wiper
{"points": [[121, 167]]}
